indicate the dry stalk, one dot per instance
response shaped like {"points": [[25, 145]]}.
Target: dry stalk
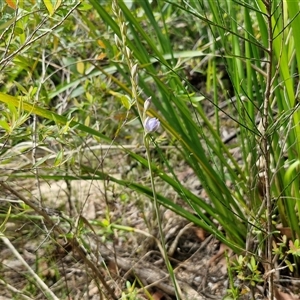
{"points": [[265, 148], [38, 280]]}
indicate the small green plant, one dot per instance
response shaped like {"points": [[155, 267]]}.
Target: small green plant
{"points": [[233, 292], [294, 247], [246, 270], [130, 293], [283, 248]]}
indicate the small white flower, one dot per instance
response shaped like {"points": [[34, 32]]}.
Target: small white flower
{"points": [[151, 124]]}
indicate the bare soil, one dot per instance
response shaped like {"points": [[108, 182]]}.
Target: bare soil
{"points": [[121, 256]]}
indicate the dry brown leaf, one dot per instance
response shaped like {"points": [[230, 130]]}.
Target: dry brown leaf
{"points": [[157, 295], [213, 261], [200, 233], [285, 231], [45, 270], [112, 267], [283, 296]]}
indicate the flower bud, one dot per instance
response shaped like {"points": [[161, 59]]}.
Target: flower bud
{"points": [[123, 29], [128, 52], [147, 103], [134, 71], [114, 7], [151, 124], [118, 42]]}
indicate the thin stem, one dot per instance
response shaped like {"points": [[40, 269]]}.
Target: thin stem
{"points": [[133, 68], [265, 147], [178, 292], [76, 247]]}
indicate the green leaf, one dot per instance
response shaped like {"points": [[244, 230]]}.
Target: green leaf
{"points": [[5, 125], [290, 266], [35, 109], [6, 24], [80, 67], [7, 215], [59, 158], [125, 99], [52, 5]]}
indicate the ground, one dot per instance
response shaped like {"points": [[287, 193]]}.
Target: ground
{"points": [[122, 256]]}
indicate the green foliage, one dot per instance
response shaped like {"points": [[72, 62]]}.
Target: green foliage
{"points": [[131, 293], [247, 272], [76, 77], [2, 225], [294, 248], [251, 266]]}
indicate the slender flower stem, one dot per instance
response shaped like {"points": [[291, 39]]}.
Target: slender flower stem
{"points": [[156, 213], [150, 125]]}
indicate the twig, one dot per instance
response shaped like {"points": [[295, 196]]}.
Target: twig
{"points": [[14, 290], [76, 247], [38, 280]]}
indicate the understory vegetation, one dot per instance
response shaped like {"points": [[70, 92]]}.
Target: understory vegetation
{"points": [[134, 133]]}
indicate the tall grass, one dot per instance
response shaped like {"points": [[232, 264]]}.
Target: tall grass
{"points": [[244, 52]]}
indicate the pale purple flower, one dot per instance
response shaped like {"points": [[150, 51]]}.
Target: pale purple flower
{"points": [[151, 124]]}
